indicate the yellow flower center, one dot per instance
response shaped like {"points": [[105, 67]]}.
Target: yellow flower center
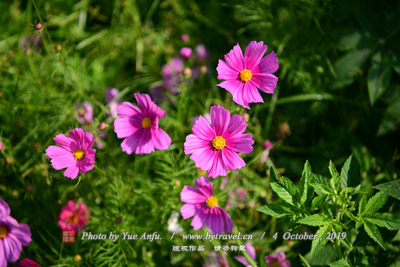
{"points": [[218, 142], [74, 219], [212, 202], [3, 231], [245, 75], [78, 154], [146, 123]]}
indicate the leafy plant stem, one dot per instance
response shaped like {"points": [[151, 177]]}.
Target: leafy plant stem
{"points": [[271, 111]]}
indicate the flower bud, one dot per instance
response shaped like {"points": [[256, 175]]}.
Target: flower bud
{"points": [[38, 26]]}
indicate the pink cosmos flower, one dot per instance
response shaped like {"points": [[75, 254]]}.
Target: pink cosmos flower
{"points": [[185, 38], [250, 251], [186, 52], [74, 216], [201, 204], [112, 93], [74, 153], [244, 75], [171, 73], [201, 53], [12, 236], [84, 113], [277, 261], [27, 263], [139, 126], [1, 145], [214, 146]]}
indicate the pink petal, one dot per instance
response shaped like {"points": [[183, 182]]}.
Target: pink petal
{"points": [[242, 144], [204, 157], [232, 160], [265, 82], [235, 58], [188, 210], [144, 102], [228, 221], [269, 64], [12, 248], [192, 195], [242, 260], [253, 54], [3, 261], [203, 130], [126, 109], [236, 88], [251, 251], [72, 172], [205, 186], [251, 93], [218, 167], [63, 141], [220, 118], [200, 219], [160, 139], [194, 143], [4, 208], [60, 158], [139, 142], [123, 127], [225, 72], [237, 126], [22, 233], [216, 221], [85, 165]]}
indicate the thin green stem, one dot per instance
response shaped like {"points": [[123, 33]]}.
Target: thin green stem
{"points": [[244, 252], [271, 111]]}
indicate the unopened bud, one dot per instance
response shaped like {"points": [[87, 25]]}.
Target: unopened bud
{"points": [[102, 126], [38, 26], [57, 47]]}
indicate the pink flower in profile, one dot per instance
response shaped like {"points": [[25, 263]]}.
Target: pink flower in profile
{"points": [[250, 251], [27, 263], [277, 261], [214, 146], [84, 113], [186, 52], [74, 153], [74, 216], [139, 126], [203, 205], [244, 75], [12, 236], [112, 93]]}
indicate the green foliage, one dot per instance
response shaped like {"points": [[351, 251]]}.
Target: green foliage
{"points": [[333, 209]]}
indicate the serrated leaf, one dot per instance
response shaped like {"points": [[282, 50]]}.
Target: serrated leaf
{"points": [[376, 202], [349, 66], [278, 210], [320, 241], [305, 190], [394, 190], [323, 188], [374, 233], [318, 201], [362, 204], [335, 180], [314, 220], [351, 215], [378, 78], [387, 220], [340, 263], [350, 173], [285, 189]]}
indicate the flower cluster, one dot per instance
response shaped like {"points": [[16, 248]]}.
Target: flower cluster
{"points": [[216, 144]]}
